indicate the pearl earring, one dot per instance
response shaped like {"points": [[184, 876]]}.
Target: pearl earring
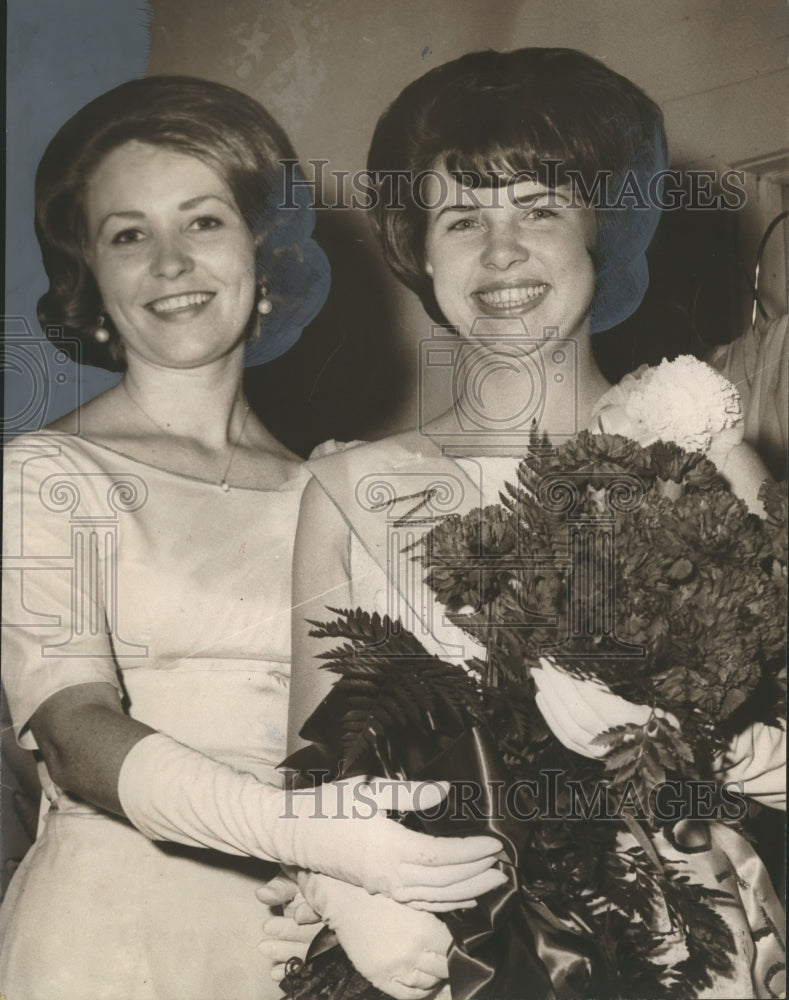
{"points": [[100, 334], [265, 304]]}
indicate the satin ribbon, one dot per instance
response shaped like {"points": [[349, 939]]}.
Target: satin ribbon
{"points": [[755, 915], [508, 939], [495, 947]]}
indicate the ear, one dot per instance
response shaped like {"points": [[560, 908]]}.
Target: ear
{"points": [[429, 270]]}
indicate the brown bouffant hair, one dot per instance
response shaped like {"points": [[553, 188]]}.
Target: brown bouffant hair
{"points": [[542, 111]]}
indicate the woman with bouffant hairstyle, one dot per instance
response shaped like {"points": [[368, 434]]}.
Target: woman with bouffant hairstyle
{"points": [[517, 194], [556, 115], [230, 133], [146, 642]]}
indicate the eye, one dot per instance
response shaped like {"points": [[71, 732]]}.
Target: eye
{"points": [[540, 213], [464, 224], [127, 236], [204, 222]]}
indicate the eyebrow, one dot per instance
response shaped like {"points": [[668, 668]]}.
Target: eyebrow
{"points": [[527, 200], [194, 202], [184, 206], [460, 207], [517, 201]]}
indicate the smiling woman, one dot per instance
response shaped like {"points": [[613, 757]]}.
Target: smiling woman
{"points": [[505, 232], [229, 134], [164, 188], [526, 254], [552, 117], [146, 641], [171, 254]]}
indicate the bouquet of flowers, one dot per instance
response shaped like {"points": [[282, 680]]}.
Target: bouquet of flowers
{"points": [[628, 566]]}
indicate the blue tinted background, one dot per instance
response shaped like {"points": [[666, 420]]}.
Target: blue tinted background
{"points": [[57, 61]]}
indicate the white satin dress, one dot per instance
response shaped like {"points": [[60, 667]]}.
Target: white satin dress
{"points": [[179, 595]]}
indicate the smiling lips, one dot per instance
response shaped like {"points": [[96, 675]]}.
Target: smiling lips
{"points": [[172, 304], [514, 298]]}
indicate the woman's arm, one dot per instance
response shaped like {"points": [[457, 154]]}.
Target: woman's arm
{"points": [[400, 950], [321, 579], [172, 792], [84, 737], [756, 759], [578, 711]]}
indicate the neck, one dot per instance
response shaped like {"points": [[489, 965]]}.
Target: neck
{"points": [[557, 385], [204, 404]]}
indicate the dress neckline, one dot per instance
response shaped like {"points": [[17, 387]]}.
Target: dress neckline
{"points": [[287, 486]]}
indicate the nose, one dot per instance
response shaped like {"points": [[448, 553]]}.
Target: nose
{"points": [[170, 257], [504, 246]]}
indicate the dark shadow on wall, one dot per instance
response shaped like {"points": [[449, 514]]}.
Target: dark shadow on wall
{"points": [[346, 373], [694, 300]]}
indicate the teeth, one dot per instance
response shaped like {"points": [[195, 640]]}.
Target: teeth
{"points": [[180, 301], [505, 298]]}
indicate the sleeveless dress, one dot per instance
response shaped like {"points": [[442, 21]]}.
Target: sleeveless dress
{"points": [[377, 489], [179, 595]]}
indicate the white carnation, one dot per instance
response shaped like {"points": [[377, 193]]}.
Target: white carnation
{"points": [[684, 401]]}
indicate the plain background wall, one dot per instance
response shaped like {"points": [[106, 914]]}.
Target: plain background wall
{"points": [[326, 68]]}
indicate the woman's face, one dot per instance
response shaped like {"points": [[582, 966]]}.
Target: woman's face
{"points": [[172, 255], [514, 252]]}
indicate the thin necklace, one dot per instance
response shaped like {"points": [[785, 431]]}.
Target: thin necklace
{"points": [[223, 484]]}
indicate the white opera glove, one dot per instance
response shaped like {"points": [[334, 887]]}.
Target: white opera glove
{"points": [[171, 792], [756, 759], [400, 950], [577, 711]]}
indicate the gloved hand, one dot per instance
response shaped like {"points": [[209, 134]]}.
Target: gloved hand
{"points": [[577, 710], [756, 758], [171, 792], [400, 950]]}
